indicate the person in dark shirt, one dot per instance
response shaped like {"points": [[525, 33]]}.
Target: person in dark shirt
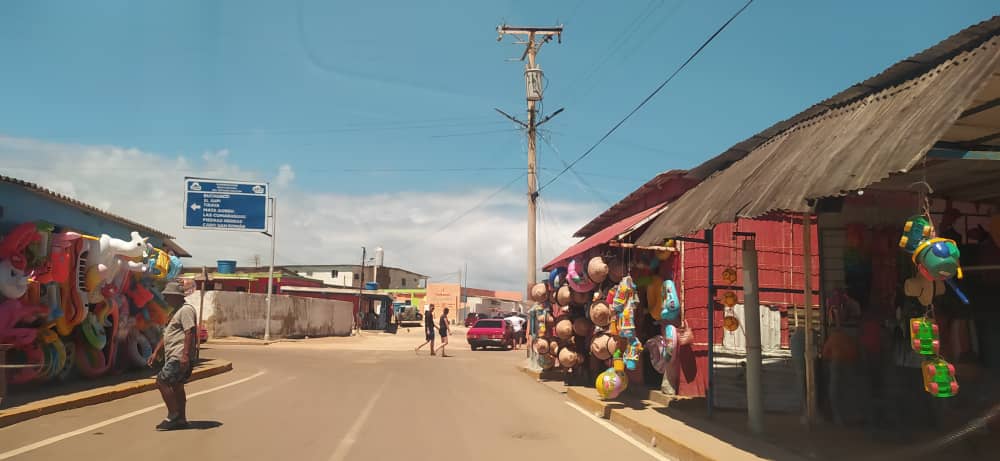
{"points": [[428, 329], [443, 331]]}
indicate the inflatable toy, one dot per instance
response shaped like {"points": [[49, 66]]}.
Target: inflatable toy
{"points": [[654, 297], [621, 294], [70, 363], [670, 338], [597, 270], [578, 281], [925, 339], [670, 308], [138, 348], [33, 355], [12, 312], [612, 382], [556, 277], [13, 278], [939, 378], [658, 357], [108, 256]]}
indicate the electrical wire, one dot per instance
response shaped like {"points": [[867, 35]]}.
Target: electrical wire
{"points": [[650, 97], [579, 181]]}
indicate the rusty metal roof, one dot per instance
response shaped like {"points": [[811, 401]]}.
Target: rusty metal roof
{"points": [[664, 187], [862, 135], [86, 207]]}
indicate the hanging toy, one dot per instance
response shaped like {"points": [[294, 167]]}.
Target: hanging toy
{"points": [[670, 308], [935, 258], [612, 382], [729, 299], [729, 321], [578, 279], [939, 378], [658, 357], [670, 337], [917, 229], [729, 275], [626, 330], [622, 294], [924, 335]]}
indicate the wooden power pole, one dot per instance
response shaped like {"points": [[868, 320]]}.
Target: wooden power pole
{"points": [[533, 38]]}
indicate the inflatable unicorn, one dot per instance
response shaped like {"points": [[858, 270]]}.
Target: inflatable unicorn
{"points": [[108, 256]]}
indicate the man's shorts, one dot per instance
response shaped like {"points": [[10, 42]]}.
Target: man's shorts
{"points": [[173, 373], [428, 334]]}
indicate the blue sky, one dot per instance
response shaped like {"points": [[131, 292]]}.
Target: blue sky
{"points": [[331, 88]]}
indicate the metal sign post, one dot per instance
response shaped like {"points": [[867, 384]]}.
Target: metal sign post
{"points": [[222, 204]]}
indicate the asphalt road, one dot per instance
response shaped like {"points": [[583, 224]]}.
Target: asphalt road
{"points": [[366, 398]]}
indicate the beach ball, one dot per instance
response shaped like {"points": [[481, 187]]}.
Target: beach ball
{"points": [[610, 384]]}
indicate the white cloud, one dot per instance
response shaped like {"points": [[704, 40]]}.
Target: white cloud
{"points": [[313, 228], [285, 176]]}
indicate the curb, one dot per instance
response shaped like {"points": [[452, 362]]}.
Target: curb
{"points": [[102, 394], [587, 399]]}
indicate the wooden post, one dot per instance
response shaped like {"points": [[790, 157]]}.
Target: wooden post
{"points": [[810, 355]]}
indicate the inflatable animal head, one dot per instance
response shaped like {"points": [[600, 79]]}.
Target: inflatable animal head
{"points": [[13, 280], [134, 248]]}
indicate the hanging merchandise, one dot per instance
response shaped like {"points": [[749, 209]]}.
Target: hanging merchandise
{"points": [[557, 277], [564, 329], [654, 297], [939, 378], [729, 299], [578, 279], [600, 314], [658, 357], [936, 259], [603, 346], [670, 336], [541, 346], [546, 361], [539, 293], [583, 327], [626, 329], [670, 308], [729, 275], [925, 337], [579, 299], [612, 382], [563, 296], [568, 358], [597, 269], [729, 320]]}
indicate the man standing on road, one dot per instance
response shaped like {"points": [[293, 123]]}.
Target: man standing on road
{"points": [[517, 323], [428, 328], [180, 347]]}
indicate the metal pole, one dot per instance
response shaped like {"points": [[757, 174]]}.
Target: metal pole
{"points": [[201, 305], [807, 300], [270, 270], [710, 392], [361, 288], [751, 320]]}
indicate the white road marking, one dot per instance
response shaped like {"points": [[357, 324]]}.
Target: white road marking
{"points": [[352, 434], [614, 430], [107, 422]]}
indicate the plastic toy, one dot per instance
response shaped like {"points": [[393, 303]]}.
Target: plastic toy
{"points": [[162, 266], [556, 277], [623, 293], [915, 231], [632, 350], [939, 378], [923, 289], [13, 278], [671, 307], [938, 259], [612, 382], [109, 255], [924, 336]]}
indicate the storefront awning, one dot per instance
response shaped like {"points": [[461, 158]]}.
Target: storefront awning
{"points": [[846, 143], [612, 232]]}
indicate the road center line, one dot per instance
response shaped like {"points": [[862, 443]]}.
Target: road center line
{"points": [[352, 434], [107, 422], [614, 430]]}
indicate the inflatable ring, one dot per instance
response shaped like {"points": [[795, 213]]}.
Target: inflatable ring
{"points": [[138, 348], [33, 356], [90, 362], [93, 331], [556, 277], [67, 370]]}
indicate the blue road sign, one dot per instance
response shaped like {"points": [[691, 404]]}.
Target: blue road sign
{"points": [[225, 205]]}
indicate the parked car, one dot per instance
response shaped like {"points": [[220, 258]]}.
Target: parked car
{"points": [[471, 319], [490, 333]]}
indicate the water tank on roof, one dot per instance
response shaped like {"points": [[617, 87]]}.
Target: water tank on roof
{"points": [[371, 285]]}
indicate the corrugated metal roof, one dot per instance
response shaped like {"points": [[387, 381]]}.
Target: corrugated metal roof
{"points": [[843, 148], [896, 74], [604, 236], [83, 206], [653, 192]]}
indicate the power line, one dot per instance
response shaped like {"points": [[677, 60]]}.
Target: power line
{"points": [[477, 133], [470, 210], [580, 182], [323, 170], [648, 98]]}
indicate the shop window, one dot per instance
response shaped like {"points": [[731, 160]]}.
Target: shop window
{"points": [[357, 276], [334, 274], [403, 281]]}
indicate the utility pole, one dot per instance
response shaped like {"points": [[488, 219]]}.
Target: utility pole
{"points": [[361, 287], [270, 270], [533, 38]]}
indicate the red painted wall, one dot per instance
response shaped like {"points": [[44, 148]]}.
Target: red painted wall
{"points": [[779, 257]]}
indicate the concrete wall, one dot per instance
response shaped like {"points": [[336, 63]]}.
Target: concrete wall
{"points": [[242, 314]]}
